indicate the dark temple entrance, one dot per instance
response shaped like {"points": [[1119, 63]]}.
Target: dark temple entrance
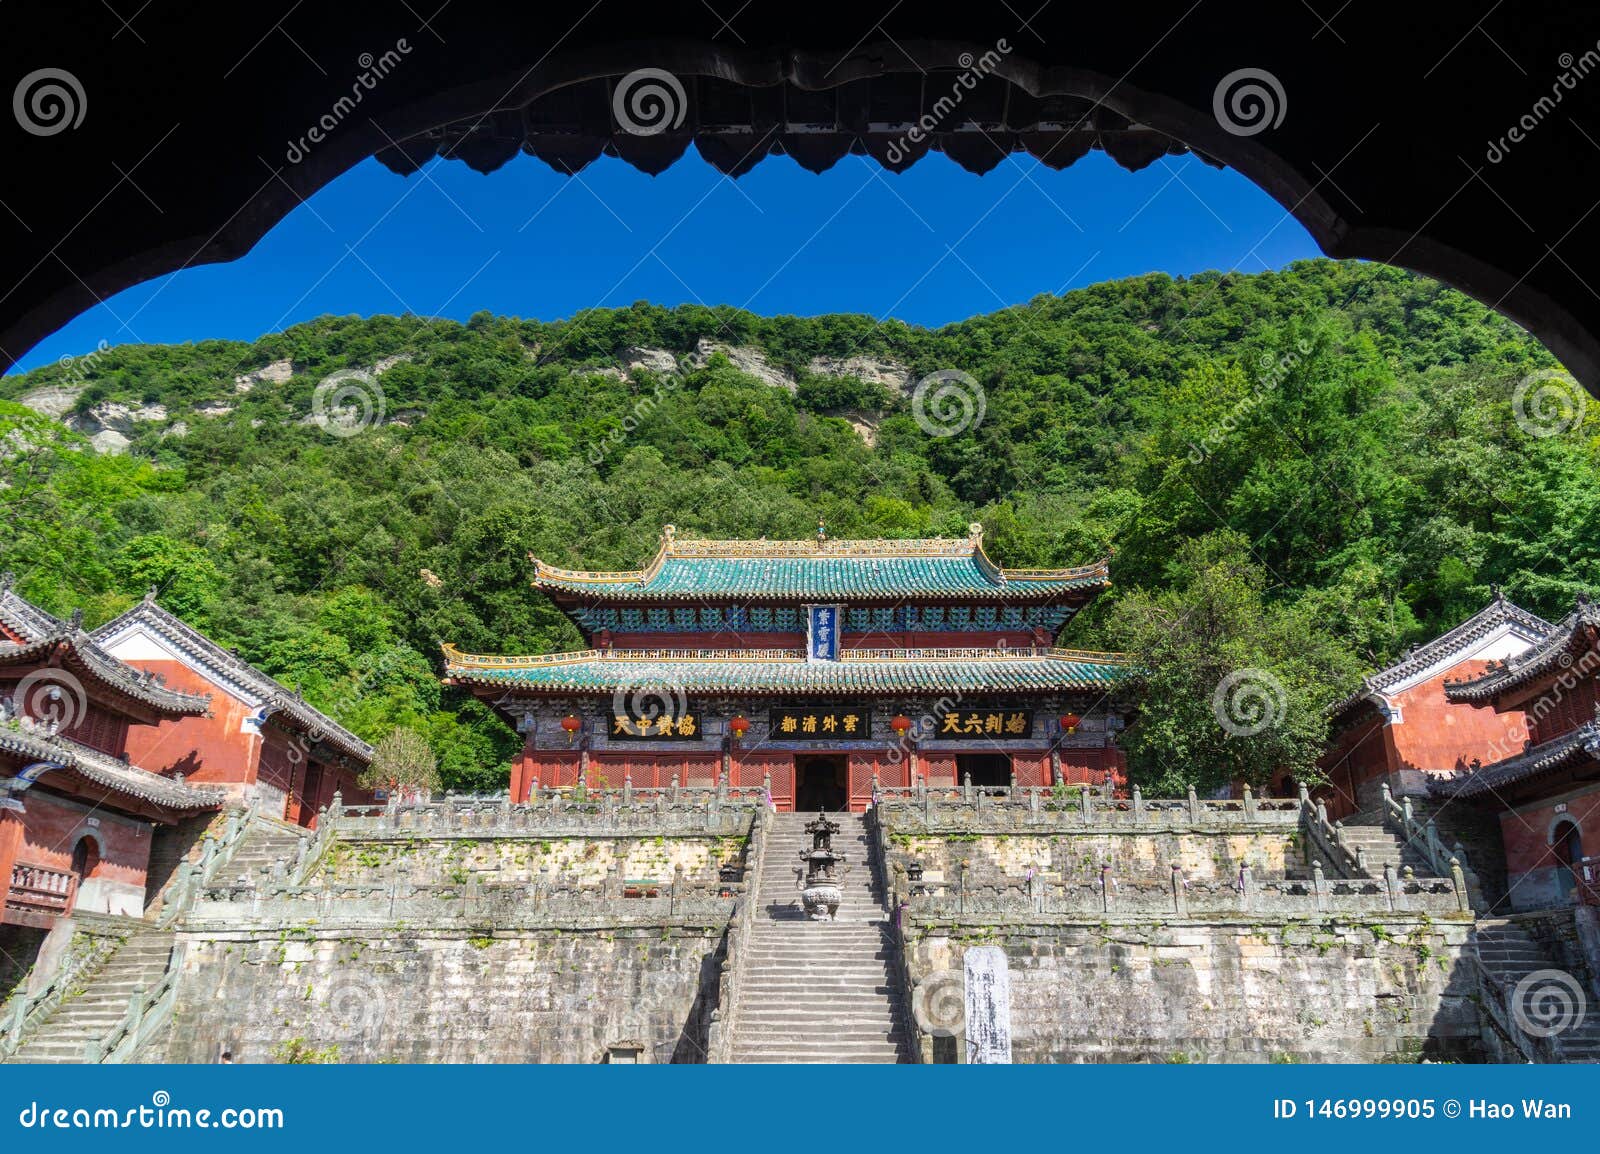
{"points": [[985, 769], [820, 783]]}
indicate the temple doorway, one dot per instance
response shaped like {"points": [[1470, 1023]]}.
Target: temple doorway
{"points": [[1568, 846], [85, 860], [987, 770], [820, 784]]}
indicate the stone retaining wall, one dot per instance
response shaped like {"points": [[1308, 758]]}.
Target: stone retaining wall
{"points": [[1203, 855], [1224, 989], [507, 860], [416, 994]]}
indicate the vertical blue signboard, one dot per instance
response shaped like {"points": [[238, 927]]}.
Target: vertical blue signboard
{"points": [[822, 627]]}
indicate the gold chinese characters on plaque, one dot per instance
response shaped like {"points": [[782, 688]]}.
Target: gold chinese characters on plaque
{"points": [[982, 725], [682, 725], [821, 723]]}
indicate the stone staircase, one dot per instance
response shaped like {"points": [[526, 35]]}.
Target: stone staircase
{"points": [[268, 843], [92, 1011], [1381, 845], [818, 991], [89, 1013], [1509, 953]]}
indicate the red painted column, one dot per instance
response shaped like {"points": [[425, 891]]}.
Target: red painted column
{"points": [[521, 767], [10, 842]]}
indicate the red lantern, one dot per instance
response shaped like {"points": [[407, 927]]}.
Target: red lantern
{"points": [[1070, 722], [739, 726], [571, 723], [900, 723]]}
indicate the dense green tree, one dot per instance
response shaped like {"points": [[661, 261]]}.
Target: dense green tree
{"points": [[1342, 437]]}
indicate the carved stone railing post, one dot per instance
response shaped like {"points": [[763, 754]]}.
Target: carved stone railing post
{"points": [[627, 788], [1391, 887], [1194, 806], [675, 787], [336, 810], [1085, 804], [1319, 885], [1459, 881], [1138, 807], [1249, 803], [966, 788]]}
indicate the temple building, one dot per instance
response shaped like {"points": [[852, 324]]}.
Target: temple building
{"points": [[1544, 786], [258, 742], [78, 815], [812, 665], [1400, 729]]}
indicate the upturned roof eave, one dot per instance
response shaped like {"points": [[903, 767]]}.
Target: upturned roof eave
{"points": [[233, 671]]}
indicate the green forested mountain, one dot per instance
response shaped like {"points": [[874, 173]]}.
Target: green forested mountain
{"points": [[1335, 444]]}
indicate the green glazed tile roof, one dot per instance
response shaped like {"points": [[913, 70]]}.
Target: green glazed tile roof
{"points": [[764, 672], [821, 570]]}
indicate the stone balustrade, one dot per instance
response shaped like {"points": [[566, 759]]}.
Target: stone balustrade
{"points": [[1036, 899], [591, 813], [986, 809], [549, 901]]}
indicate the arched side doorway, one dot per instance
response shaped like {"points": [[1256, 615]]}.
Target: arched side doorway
{"points": [[1566, 844], [85, 865]]}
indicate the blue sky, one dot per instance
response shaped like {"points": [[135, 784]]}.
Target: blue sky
{"points": [[931, 245]]}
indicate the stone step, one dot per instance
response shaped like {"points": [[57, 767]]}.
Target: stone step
{"points": [[828, 1018], [885, 1049], [801, 996]]}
